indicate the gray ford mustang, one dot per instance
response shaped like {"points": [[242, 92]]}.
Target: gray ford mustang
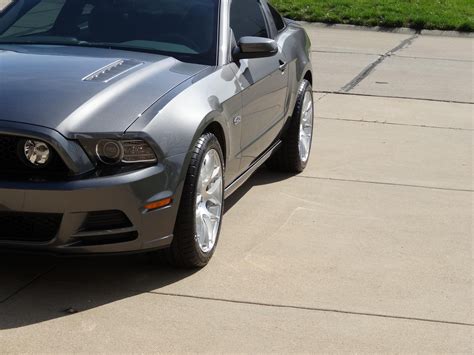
{"points": [[124, 124]]}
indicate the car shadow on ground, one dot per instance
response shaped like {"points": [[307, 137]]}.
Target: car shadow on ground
{"points": [[38, 288], [263, 176]]}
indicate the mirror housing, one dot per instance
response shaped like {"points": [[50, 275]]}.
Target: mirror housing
{"points": [[255, 47]]}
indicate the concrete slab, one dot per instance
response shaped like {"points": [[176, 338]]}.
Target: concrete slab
{"points": [[448, 48], [356, 247], [362, 42], [420, 78], [153, 323], [396, 111], [419, 156], [334, 70], [382, 249]]}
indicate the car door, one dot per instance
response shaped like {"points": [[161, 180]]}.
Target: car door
{"points": [[264, 83]]}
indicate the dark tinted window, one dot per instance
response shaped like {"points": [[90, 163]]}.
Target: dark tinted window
{"points": [[277, 18], [39, 18], [186, 30], [246, 19]]}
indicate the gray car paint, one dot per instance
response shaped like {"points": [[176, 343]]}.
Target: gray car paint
{"points": [[166, 102], [50, 79]]}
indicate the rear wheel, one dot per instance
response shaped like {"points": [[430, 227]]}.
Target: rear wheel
{"points": [[200, 213], [293, 155]]}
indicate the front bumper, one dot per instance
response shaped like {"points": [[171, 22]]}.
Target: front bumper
{"points": [[75, 200]]}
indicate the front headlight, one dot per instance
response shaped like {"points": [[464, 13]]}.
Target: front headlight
{"points": [[112, 152], [137, 152]]}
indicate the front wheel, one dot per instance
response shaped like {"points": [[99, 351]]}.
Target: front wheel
{"points": [[200, 213], [293, 155]]}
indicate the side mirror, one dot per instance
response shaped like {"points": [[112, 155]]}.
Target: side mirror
{"points": [[255, 47]]}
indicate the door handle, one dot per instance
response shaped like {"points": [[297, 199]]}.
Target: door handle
{"points": [[282, 66]]}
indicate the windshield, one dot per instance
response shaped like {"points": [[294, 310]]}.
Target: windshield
{"points": [[186, 30]]}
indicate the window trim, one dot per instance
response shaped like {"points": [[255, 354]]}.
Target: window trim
{"points": [[285, 24], [265, 18]]}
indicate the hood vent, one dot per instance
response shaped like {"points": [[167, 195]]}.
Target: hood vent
{"points": [[113, 70]]}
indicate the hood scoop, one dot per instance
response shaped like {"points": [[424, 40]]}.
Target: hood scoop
{"points": [[113, 70]]}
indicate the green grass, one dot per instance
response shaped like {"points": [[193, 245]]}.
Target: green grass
{"points": [[419, 14]]}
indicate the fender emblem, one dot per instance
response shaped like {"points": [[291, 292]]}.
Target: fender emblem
{"points": [[237, 120]]}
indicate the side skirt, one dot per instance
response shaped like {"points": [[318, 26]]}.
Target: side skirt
{"points": [[229, 190]]}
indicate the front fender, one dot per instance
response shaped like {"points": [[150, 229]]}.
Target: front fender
{"points": [[177, 120]]}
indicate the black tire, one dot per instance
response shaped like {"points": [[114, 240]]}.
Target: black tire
{"points": [[184, 250], [287, 158]]}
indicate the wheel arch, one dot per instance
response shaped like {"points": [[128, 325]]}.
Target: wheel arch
{"points": [[308, 76], [217, 130], [213, 123]]}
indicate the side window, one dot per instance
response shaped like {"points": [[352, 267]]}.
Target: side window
{"points": [[277, 18], [39, 19], [246, 19]]}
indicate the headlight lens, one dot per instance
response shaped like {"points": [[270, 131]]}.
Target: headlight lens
{"points": [[137, 152], [109, 152], [113, 152]]}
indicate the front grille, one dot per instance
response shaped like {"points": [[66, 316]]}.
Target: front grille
{"points": [[11, 163], [29, 227], [105, 220]]}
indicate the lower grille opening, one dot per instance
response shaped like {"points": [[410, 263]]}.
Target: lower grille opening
{"points": [[106, 239], [29, 227], [105, 220], [105, 227]]}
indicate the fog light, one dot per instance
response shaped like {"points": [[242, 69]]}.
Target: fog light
{"points": [[36, 152]]}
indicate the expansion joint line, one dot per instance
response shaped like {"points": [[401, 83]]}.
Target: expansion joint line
{"points": [[368, 70], [28, 284]]}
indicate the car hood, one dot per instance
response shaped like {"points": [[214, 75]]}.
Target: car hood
{"points": [[77, 90]]}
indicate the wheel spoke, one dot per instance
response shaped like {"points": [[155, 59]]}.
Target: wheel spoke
{"points": [[309, 106], [200, 226], [216, 172], [215, 189], [207, 231]]}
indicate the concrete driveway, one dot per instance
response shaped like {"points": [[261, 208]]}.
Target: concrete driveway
{"points": [[370, 250]]}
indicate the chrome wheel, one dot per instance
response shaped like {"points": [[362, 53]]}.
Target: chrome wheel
{"points": [[306, 127], [209, 200]]}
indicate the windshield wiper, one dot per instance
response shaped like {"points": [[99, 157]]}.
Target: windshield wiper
{"points": [[39, 40], [124, 47], [70, 41], [118, 46]]}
